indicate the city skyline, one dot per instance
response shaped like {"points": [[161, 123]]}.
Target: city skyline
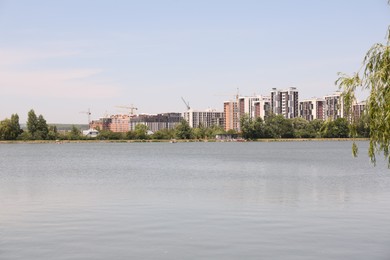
{"points": [[61, 58]]}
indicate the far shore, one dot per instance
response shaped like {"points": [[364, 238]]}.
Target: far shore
{"points": [[182, 141]]}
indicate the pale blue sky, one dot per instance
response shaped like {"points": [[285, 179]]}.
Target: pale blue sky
{"points": [[63, 57]]}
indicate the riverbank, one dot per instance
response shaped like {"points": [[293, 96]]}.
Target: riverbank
{"points": [[181, 141]]}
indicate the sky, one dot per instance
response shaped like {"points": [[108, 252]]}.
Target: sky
{"points": [[62, 58]]}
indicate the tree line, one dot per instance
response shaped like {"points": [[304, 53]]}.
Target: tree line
{"points": [[274, 127]]}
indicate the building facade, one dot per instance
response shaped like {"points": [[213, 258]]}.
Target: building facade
{"points": [[334, 106], [156, 122], [358, 110], [231, 114], [205, 118], [311, 109], [262, 107], [285, 102], [120, 123]]}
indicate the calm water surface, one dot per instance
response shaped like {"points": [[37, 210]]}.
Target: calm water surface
{"points": [[294, 200]]}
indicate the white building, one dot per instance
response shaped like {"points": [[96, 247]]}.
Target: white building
{"points": [[285, 102], [207, 118], [334, 106], [311, 109]]}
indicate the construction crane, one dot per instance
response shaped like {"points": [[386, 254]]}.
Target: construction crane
{"points": [[131, 109], [236, 95], [89, 115], [186, 103]]}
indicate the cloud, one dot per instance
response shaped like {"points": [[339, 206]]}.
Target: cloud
{"points": [[48, 82], [55, 83], [9, 57]]}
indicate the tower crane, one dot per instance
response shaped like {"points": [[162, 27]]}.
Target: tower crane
{"points": [[131, 109], [186, 103], [89, 115]]}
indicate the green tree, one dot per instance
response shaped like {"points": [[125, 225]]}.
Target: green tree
{"points": [[183, 130], [53, 133], [74, 134], [375, 77], [10, 128], [16, 130], [302, 128], [316, 125], [42, 129], [32, 122], [278, 127], [338, 128], [164, 134], [252, 128], [141, 132]]}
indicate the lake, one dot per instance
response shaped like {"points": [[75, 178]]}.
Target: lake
{"points": [[256, 200]]}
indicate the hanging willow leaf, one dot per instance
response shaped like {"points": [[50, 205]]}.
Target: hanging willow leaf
{"points": [[376, 78]]}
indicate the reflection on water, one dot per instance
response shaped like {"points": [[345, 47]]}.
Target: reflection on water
{"points": [[294, 200]]}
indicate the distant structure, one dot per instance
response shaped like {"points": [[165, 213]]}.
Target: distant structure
{"points": [[207, 118], [90, 133], [156, 122], [312, 109], [101, 124], [120, 123], [285, 102], [334, 106], [231, 114], [358, 110]]}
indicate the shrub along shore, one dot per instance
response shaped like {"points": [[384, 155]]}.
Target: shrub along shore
{"points": [[273, 128]]}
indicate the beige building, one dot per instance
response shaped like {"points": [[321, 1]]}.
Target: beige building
{"points": [[232, 117]]}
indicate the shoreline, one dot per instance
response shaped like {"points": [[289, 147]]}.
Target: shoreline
{"points": [[183, 141]]}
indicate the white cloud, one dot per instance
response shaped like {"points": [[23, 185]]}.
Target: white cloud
{"points": [[48, 82]]}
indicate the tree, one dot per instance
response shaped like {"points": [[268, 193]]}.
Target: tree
{"points": [[42, 128], [10, 128], [141, 131], [75, 133], [278, 127], [374, 76], [183, 130], [53, 133], [302, 128], [16, 130], [338, 128], [32, 122], [252, 128]]}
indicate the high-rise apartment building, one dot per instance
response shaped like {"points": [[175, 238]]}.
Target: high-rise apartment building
{"points": [[207, 118], [285, 102], [156, 122], [262, 107], [232, 117], [311, 109], [120, 123], [358, 109], [334, 106]]}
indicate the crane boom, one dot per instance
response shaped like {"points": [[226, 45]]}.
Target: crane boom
{"points": [[131, 108], [89, 115], [186, 103]]}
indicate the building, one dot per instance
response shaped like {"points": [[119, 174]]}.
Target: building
{"points": [[207, 118], [358, 110], [120, 123], [101, 124], [232, 117], [156, 122], [334, 106], [285, 102], [246, 105], [311, 109], [262, 107]]}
